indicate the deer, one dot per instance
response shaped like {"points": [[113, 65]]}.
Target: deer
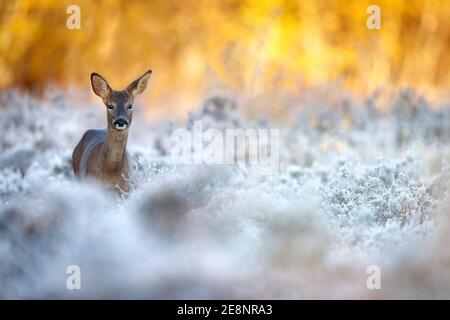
{"points": [[101, 154]]}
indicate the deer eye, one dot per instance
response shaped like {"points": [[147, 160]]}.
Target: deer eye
{"points": [[109, 106], [130, 106]]}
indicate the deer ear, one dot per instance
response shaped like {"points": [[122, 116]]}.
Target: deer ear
{"points": [[100, 86], [138, 86]]}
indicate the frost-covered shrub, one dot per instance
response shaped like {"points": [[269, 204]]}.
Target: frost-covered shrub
{"points": [[217, 111], [416, 120], [307, 230], [375, 194]]}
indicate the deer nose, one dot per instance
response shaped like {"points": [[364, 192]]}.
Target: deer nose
{"points": [[121, 124]]}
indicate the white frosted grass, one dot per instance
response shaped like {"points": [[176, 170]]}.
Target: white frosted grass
{"points": [[355, 188]]}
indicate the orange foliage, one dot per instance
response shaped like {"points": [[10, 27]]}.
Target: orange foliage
{"points": [[244, 45]]}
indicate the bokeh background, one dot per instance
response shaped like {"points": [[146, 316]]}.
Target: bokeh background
{"points": [[246, 46]]}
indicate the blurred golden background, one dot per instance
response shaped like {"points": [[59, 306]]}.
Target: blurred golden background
{"points": [[248, 47]]}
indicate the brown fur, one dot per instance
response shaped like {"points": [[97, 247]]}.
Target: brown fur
{"points": [[102, 153]]}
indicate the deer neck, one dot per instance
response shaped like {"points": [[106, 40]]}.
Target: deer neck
{"points": [[113, 149]]}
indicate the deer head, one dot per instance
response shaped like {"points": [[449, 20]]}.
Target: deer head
{"points": [[119, 104]]}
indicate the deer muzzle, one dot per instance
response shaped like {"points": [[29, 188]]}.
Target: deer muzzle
{"points": [[120, 124]]}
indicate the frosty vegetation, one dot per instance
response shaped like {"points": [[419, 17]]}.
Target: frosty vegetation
{"points": [[359, 184]]}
